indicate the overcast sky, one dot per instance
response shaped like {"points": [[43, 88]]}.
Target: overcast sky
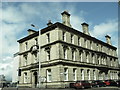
{"points": [[17, 16]]}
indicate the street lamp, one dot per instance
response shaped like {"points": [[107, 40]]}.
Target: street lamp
{"points": [[39, 53]]}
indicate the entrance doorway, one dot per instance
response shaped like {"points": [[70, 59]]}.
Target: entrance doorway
{"points": [[35, 78]]}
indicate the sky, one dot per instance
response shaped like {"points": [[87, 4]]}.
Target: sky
{"points": [[17, 17]]}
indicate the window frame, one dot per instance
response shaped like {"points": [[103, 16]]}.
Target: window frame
{"points": [[74, 74], [48, 37], [65, 74], [49, 75]]}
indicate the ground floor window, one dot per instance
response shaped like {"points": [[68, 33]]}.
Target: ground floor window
{"points": [[74, 74], [25, 77], [49, 75], [65, 74], [82, 74], [94, 75], [88, 74]]}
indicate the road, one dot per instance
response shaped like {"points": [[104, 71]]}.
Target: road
{"points": [[101, 88]]}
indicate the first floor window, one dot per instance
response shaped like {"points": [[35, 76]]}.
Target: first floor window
{"points": [[35, 57], [115, 62], [25, 60], [93, 58], [65, 53], [73, 55], [80, 55], [87, 59], [79, 42], [98, 58], [49, 76], [65, 74], [111, 64]]}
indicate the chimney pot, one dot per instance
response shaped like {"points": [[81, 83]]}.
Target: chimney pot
{"points": [[85, 28], [49, 23], [66, 18], [108, 39], [65, 12], [30, 31]]}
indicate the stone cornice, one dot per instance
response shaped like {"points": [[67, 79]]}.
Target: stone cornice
{"points": [[68, 63]]}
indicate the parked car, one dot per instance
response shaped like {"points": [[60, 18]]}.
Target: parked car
{"points": [[118, 83], [110, 83], [98, 83], [82, 84], [72, 85]]}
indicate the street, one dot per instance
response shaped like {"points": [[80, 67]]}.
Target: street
{"points": [[101, 88]]}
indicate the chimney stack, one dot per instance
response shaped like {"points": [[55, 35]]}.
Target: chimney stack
{"points": [[30, 31], [66, 18], [108, 39], [49, 23], [85, 28]]}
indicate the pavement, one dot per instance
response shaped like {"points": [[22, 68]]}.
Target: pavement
{"points": [[101, 88]]}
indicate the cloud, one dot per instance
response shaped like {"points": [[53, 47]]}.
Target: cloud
{"points": [[13, 23], [6, 66], [76, 21], [60, 1], [16, 18], [109, 27], [12, 15]]}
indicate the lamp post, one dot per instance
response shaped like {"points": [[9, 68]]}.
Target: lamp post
{"points": [[39, 76]]}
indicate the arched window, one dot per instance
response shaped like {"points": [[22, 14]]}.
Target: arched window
{"points": [[87, 57], [80, 55], [73, 55], [93, 58], [35, 55], [25, 60], [65, 53]]}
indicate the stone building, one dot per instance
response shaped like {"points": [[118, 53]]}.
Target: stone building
{"points": [[66, 55]]}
